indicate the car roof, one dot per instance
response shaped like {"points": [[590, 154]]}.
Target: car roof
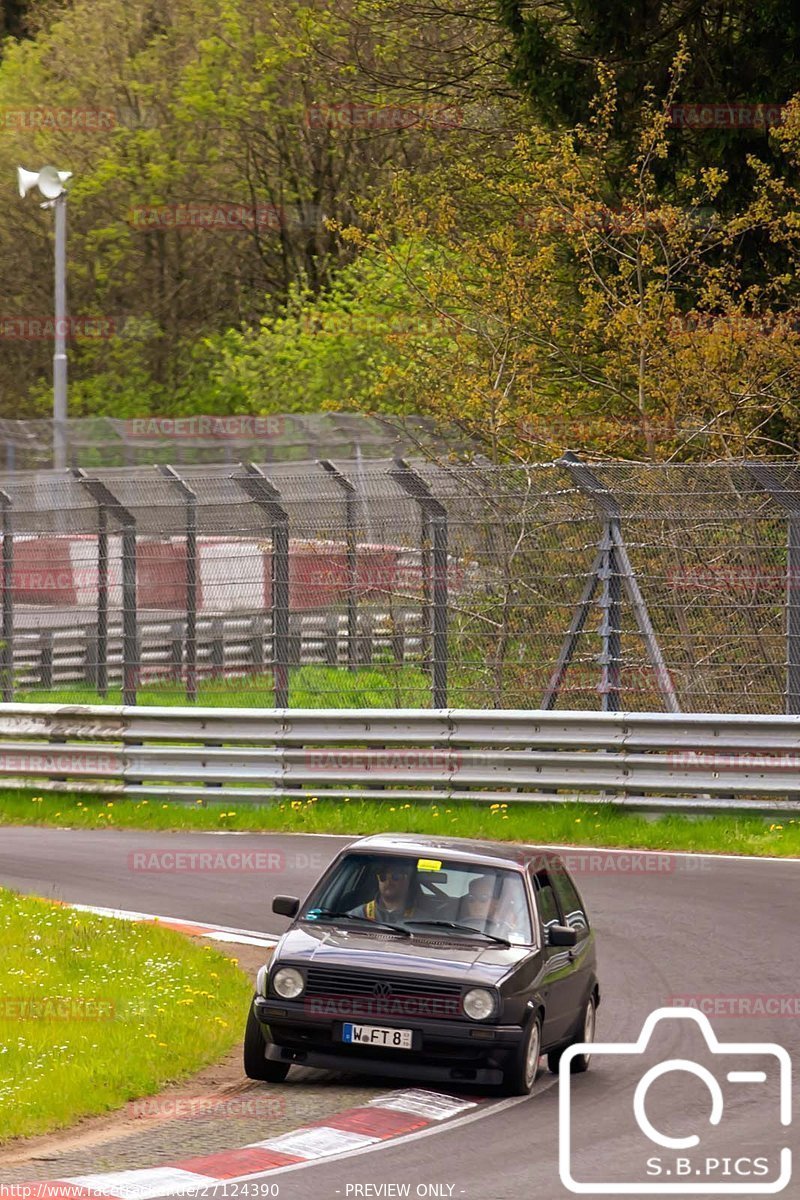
{"points": [[468, 850]]}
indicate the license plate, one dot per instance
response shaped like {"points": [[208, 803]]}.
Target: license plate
{"points": [[377, 1035]]}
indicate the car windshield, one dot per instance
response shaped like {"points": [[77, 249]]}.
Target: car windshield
{"points": [[408, 892]]}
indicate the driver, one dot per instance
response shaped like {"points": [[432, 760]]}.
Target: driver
{"points": [[394, 900]]}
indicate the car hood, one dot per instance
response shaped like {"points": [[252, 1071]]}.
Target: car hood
{"points": [[439, 957]]}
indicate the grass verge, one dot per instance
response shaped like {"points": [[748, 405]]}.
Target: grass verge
{"points": [[95, 1012], [309, 687], [578, 824]]}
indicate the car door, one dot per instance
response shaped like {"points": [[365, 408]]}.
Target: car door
{"points": [[579, 982], [556, 979]]}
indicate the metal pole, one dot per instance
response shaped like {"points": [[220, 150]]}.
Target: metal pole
{"points": [[268, 498], [190, 496], [280, 609], [425, 573], [102, 600], [191, 599], [352, 558], [767, 478], [610, 626], [60, 355], [130, 658], [105, 499], [8, 602], [435, 594], [793, 617], [439, 528]]}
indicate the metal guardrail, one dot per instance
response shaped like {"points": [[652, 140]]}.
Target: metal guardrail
{"points": [[223, 646], [659, 761]]}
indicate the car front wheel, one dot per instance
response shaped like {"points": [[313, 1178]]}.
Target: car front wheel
{"points": [[256, 1064], [580, 1062], [520, 1077]]}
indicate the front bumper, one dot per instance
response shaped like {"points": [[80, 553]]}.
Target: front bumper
{"points": [[450, 1050]]}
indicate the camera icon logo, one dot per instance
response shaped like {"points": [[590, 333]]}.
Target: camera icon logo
{"points": [[689, 1165]]}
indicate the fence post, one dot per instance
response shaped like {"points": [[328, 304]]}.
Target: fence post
{"points": [[7, 649], [91, 657], [256, 485], [46, 658], [434, 517], [766, 476], [613, 566], [256, 643], [190, 497], [352, 557], [101, 643], [106, 499], [175, 669]]}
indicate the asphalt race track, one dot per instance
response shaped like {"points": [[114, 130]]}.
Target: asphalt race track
{"points": [[716, 928]]}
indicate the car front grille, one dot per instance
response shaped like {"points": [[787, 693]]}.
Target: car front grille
{"points": [[353, 993]]}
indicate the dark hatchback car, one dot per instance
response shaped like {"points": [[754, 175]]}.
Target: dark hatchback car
{"points": [[429, 959]]}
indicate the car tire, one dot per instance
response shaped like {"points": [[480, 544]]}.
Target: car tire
{"points": [[256, 1064], [580, 1062], [520, 1076]]}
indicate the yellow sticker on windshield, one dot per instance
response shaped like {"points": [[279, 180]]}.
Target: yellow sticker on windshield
{"points": [[428, 864]]}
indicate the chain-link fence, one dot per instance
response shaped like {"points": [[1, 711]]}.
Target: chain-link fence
{"points": [[405, 583]]}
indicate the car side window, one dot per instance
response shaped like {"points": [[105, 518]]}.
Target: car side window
{"points": [[571, 903], [546, 899]]}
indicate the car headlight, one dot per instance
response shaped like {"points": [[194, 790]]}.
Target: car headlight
{"points": [[288, 983], [261, 981], [479, 1004]]}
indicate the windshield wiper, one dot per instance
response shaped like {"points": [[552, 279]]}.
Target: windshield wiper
{"points": [[462, 929], [331, 915]]}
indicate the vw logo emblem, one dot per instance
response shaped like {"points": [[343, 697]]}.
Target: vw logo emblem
{"points": [[382, 989]]}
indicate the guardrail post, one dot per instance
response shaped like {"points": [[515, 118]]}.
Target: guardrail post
{"points": [[435, 579], [256, 485], [352, 558], [190, 497], [105, 499], [7, 648]]}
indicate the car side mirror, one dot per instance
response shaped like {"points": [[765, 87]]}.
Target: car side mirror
{"points": [[562, 935], [285, 906]]}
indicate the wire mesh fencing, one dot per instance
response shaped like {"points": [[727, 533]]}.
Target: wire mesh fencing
{"points": [[405, 582]]}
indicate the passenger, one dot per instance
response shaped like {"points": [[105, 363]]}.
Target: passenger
{"points": [[394, 901], [489, 910]]}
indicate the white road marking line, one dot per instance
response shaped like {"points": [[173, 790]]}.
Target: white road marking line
{"points": [[221, 933]]}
